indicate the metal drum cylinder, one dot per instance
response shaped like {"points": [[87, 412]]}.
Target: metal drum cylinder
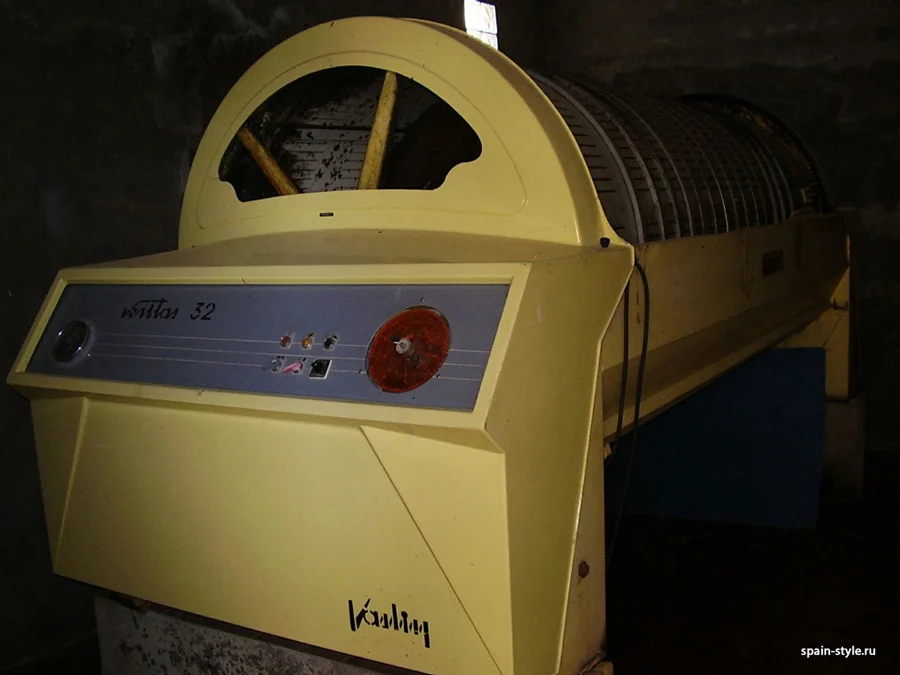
{"points": [[663, 169], [668, 169]]}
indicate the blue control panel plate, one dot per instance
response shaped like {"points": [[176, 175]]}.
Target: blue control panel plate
{"points": [[288, 340]]}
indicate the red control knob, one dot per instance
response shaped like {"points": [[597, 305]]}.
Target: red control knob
{"points": [[408, 349]]}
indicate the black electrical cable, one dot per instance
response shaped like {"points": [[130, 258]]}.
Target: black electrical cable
{"points": [[623, 380], [637, 412]]}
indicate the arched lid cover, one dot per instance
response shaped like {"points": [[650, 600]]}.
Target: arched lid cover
{"points": [[528, 182]]}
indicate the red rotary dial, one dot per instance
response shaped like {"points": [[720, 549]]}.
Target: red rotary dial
{"points": [[408, 349]]}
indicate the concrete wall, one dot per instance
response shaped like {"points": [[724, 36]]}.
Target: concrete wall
{"points": [[105, 104], [829, 68]]}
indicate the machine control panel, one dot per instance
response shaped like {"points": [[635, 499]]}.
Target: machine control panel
{"points": [[414, 345]]}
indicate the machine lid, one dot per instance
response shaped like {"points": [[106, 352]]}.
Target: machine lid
{"points": [[517, 173]]}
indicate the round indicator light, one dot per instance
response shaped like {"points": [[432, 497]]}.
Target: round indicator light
{"points": [[408, 350], [71, 342]]}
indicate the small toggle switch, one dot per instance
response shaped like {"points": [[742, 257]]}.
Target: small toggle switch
{"points": [[319, 368]]}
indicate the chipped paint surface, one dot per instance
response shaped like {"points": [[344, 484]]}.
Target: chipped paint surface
{"points": [[165, 642]]}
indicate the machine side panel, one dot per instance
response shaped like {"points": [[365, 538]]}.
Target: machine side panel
{"points": [[58, 422], [585, 632], [541, 417], [285, 527], [457, 497], [250, 338], [717, 301]]}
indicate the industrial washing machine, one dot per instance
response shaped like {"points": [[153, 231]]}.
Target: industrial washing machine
{"points": [[365, 405]]}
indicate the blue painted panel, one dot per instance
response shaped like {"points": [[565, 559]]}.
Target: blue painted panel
{"points": [[226, 337], [746, 449]]}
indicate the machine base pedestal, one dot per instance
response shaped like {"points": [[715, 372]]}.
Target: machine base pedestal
{"points": [[162, 641], [154, 640]]}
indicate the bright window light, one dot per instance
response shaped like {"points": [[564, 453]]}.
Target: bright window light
{"points": [[481, 21]]}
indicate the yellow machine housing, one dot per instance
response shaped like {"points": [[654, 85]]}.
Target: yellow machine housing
{"points": [[457, 528]]}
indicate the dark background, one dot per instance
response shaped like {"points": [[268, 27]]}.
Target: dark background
{"points": [[105, 104]]}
